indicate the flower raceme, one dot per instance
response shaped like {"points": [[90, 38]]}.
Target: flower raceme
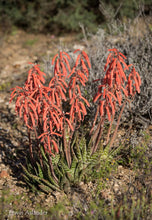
{"points": [[134, 83], [114, 86], [113, 94], [61, 64], [78, 77], [27, 97], [41, 107], [36, 108]]}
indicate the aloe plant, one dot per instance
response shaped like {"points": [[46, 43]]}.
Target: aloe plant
{"points": [[63, 155]]}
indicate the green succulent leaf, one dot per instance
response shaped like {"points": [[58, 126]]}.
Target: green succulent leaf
{"points": [[49, 175], [55, 159], [43, 153], [78, 151], [40, 171], [47, 183], [69, 172], [45, 188]]}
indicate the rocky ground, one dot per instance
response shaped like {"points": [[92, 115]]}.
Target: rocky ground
{"points": [[17, 50]]}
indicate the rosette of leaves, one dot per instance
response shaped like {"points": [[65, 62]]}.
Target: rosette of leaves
{"points": [[85, 166]]}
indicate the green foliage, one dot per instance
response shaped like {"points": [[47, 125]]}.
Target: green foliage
{"points": [[58, 15], [38, 176], [76, 12], [137, 156], [107, 163], [84, 167], [41, 177], [40, 15], [140, 160]]}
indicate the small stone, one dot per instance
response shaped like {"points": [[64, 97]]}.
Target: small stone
{"points": [[120, 167], [3, 166], [84, 187], [116, 187], [4, 174]]}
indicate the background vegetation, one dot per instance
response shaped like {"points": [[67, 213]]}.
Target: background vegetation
{"points": [[65, 15], [122, 187]]}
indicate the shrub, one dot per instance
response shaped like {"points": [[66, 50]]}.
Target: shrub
{"points": [[120, 10], [63, 15], [41, 15], [137, 49]]}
